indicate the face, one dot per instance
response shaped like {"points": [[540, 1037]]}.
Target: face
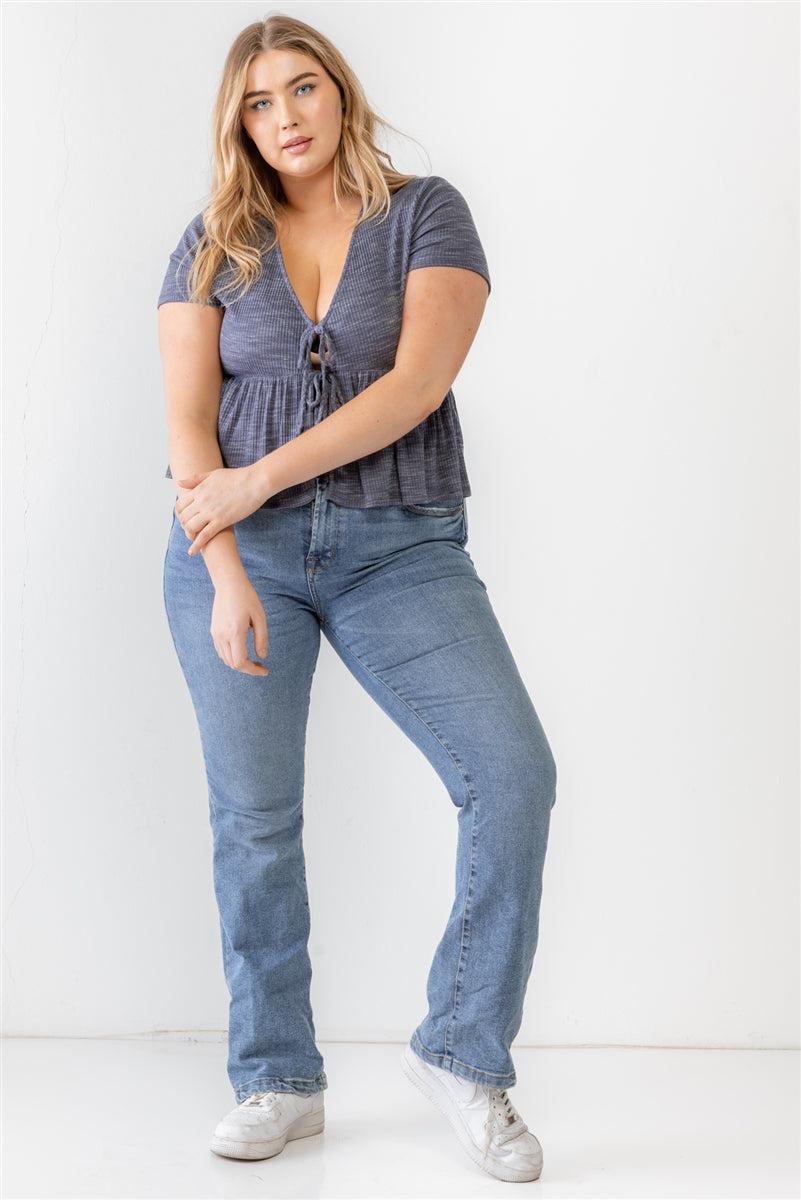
{"points": [[289, 95]]}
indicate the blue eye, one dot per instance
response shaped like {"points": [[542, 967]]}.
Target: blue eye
{"points": [[255, 105]]}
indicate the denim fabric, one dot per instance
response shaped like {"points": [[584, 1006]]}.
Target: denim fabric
{"points": [[397, 595]]}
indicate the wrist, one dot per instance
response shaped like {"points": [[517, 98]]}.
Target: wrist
{"points": [[224, 575], [262, 473], [221, 556]]}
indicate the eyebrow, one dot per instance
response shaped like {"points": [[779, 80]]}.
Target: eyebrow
{"points": [[288, 84]]}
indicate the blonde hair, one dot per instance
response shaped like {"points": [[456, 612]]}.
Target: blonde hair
{"points": [[246, 190]]}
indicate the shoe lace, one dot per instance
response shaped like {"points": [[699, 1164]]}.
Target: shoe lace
{"points": [[261, 1100], [504, 1116]]}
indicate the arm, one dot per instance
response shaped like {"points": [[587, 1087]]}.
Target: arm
{"points": [[189, 342], [442, 311]]}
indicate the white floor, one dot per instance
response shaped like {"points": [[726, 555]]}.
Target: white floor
{"points": [[94, 1118]]}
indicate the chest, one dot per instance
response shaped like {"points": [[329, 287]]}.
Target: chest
{"points": [[349, 280], [314, 260]]}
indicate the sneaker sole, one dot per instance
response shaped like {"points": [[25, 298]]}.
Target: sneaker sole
{"points": [[305, 1125], [440, 1098]]}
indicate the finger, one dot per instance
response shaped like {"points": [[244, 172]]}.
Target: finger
{"points": [[260, 652], [260, 640], [205, 535], [239, 647], [239, 651], [192, 523], [224, 651], [249, 667]]}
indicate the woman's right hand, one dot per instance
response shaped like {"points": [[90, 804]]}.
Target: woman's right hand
{"points": [[237, 608]]}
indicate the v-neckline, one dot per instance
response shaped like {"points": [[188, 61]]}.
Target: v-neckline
{"points": [[343, 272]]}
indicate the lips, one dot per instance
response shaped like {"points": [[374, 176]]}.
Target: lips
{"points": [[296, 142]]}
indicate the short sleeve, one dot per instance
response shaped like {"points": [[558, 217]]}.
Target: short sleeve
{"points": [[175, 285], [444, 233]]}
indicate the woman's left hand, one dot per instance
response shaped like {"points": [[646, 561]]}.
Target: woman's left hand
{"points": [[219, 498]]}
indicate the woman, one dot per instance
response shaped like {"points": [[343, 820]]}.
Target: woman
{"points": [[312, 321]]}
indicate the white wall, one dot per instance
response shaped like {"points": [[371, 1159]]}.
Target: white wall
{"points": [[630, 410]]}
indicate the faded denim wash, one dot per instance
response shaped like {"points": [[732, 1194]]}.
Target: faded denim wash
{"points": [[397, 595]]}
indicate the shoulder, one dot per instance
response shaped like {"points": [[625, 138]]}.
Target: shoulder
{"points": [[425, 198], [436, 198], [191, 235], [175, 285], [197, 225], [424, 187], [442, 230], [438, 184], [437, 187], [438, 202]]}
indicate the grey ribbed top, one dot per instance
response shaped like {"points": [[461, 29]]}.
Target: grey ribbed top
{"points": [[272, 391]]}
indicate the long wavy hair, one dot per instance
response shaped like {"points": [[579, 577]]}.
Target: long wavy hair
{"points": [[246, 191]]}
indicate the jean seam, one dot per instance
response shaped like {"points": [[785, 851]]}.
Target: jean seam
{"points": [[470, 1066], [464, 939], [212, 806], [283, 1078], [465, 913]]}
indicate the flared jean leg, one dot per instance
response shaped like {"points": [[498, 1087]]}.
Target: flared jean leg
{"points": [[416, 627], [252, 731], [399, 599]]}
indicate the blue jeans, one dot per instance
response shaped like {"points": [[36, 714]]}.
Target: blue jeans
{"points": [[397, 596]]}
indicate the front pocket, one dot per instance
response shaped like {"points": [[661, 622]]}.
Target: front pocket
{"points": [[435, 509]]}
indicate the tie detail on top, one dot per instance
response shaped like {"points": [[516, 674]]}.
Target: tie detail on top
{"points": [[319, 384], [272, 390]]}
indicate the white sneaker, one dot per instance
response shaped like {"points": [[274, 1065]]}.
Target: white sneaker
{"points": [[262, 1124], [486, 1122]]}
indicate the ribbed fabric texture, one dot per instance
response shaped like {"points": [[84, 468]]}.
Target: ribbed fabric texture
{"points": [[272, 391]]}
